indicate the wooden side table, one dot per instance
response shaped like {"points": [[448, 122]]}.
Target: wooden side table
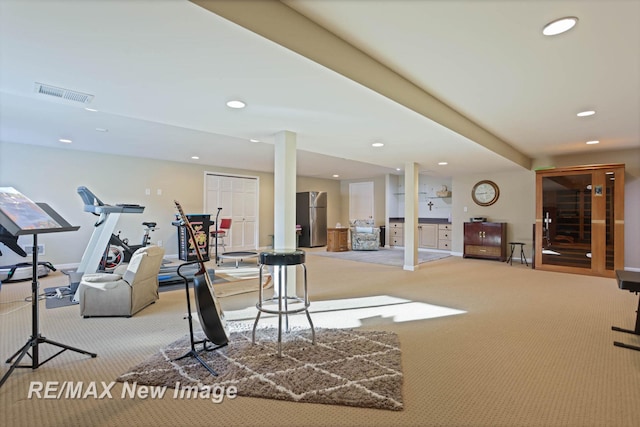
{"points": [[337, 239]]}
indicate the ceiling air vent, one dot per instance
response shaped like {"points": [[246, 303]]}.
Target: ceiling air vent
{"points": [[58, 92]]}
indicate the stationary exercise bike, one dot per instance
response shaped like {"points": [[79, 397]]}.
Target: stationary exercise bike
{"points": [[119, 250]]}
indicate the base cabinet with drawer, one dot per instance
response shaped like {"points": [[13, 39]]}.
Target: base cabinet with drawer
{"points": [[487, 240], [444, 237], [396, 233], [430, 235]]}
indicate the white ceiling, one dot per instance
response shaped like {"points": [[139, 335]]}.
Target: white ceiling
{"points": [[161, 72]]}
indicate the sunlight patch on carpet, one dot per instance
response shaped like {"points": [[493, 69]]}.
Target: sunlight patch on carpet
{"points": [[355, 312]]}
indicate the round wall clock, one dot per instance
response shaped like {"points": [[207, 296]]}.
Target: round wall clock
{"points": [[485, 193]]}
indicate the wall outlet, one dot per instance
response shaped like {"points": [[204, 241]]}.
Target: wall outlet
{"points": [[159, 242], [29, 249]]}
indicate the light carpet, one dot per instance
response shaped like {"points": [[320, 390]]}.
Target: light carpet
{"points": [[239, 281], [344, 367], [230, 281], [386, 256]]}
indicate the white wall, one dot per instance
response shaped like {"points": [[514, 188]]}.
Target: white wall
{"points": [[379, 202], [52, 176], [427, 188], [515, 206]]}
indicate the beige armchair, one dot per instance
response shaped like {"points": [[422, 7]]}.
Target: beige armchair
{"points": [[364, 236], [127, 290]]}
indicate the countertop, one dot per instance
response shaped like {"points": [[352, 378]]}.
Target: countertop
{"points": [[424, 220]]}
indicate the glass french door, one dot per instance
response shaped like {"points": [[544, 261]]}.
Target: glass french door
{"points": [[580, 219]]}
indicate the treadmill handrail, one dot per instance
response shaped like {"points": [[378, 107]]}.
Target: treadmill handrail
{"points": [[97, 207]]}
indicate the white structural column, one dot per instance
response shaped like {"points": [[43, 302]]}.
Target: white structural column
{"points": [[284, 192], [410, 216], [387, 211]]}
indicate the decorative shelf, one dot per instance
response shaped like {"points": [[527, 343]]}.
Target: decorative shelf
{"points": [[428, 197]]}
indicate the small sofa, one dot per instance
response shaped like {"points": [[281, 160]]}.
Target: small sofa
{"points": [[127, 290], [364, 236]]}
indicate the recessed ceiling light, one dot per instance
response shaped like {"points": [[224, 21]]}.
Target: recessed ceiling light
{"points": [[195, 157], [586, 113], [398, 169], [93, 110], [559, 26], [335, 175], [236, 104], [377, 144], [443, 163], [593, 142], [254, 140], [66, 141]]}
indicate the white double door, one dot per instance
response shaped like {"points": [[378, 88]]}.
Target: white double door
{"points": [[361, 200], [238, 198]]}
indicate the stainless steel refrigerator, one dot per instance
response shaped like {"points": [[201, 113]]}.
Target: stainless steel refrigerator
{"points": [[311, 214]]}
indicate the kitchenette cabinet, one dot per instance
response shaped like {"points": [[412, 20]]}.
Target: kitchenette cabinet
{"points": [[396, 233], [432, 233], [428, 236], [444, 237]]}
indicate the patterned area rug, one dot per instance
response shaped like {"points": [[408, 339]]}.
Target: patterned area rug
{"points": [[344, 367]]}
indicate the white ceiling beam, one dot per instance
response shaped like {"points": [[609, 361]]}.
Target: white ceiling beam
{"points": [[281, 24]]}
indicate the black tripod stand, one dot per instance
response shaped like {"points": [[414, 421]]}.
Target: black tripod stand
{"points": [[217, 259], [193, 352], [36, 339]]}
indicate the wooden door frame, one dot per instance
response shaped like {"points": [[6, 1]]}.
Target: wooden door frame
{"points": [[598, 221]]}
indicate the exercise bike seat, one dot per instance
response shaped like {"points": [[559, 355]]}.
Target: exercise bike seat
{"points": [[150, 224]]}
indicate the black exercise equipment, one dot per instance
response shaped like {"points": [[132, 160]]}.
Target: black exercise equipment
{"points": [[630, 281], [23, 270], [120, 251]]}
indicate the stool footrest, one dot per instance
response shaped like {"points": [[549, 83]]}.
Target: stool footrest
{"points": [[275, 301]]}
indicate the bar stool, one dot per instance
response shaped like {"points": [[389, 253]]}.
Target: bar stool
{"points": [[522, 257], [279, 304]]}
